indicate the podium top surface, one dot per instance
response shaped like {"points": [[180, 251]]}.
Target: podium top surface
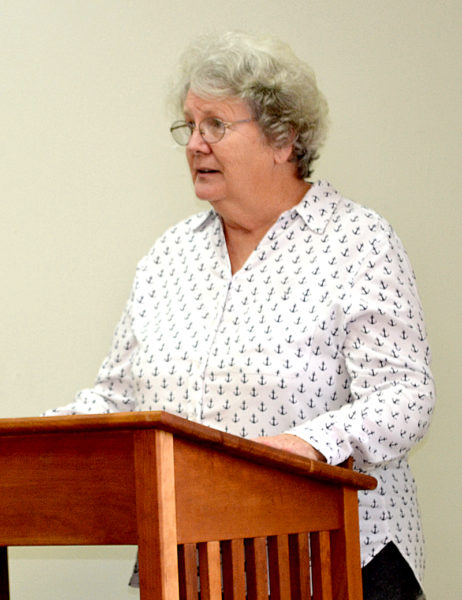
{"points": [[195, 432]]}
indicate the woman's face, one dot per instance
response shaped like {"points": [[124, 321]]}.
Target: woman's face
{"points": [[238, 167]]}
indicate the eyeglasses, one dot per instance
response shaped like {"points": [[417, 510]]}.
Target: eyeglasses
{"points": [[211, 129]]}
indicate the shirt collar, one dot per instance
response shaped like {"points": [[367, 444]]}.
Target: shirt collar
{"points": [[204, 219], [318, 205], [315, 208]]}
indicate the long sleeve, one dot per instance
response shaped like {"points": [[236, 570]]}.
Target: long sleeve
{"points": [[113, 390], [387, 361], [320, 334]]}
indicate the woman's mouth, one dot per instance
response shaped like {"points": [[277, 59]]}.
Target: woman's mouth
{"points": [[206, 171]]}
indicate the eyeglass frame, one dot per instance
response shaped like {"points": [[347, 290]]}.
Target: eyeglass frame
{"points": [[193, 126]]}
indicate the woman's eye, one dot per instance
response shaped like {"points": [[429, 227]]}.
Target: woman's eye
{"points": [[215, 123]]}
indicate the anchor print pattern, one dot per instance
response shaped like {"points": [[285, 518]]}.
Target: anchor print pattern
{"points": [[320, 334]]}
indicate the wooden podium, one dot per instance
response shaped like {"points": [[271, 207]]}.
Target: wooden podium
{"points": [[205, 508]]}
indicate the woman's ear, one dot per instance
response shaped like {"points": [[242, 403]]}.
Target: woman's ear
{"points": [[284, 154]]}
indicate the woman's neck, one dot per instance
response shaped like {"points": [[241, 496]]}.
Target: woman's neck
{"points": [[245, 229]]}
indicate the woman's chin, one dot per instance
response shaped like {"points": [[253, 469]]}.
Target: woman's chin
{"points": [[206, 193]]}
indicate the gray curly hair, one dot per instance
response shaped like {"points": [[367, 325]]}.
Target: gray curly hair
{"points": [[279, 88]]}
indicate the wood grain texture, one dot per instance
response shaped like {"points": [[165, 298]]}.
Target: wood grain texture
{"points": [[210, 570], [231, 444], [157, 481], [67, 489], [156, 517], [279, 570], [187, 571], [321, 565], [233, 557], [346, 552], [262, 495], [257, 568], [299, 561]]}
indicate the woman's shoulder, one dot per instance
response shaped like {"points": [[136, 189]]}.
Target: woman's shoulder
{"points": [[325, 193], [353, 231], [349, 215], [178, 238]]}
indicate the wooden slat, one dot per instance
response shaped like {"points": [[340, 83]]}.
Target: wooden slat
{"points": [[321, 566], [155, 508], [279, 570], [187, 571], [233, 569], [299, 566], [256, 568], [210, 570]]}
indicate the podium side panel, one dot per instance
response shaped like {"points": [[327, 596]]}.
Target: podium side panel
{"points": [[73, 488], [219, 496]]}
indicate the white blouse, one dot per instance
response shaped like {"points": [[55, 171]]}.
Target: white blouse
{"points": [[320, 334]]}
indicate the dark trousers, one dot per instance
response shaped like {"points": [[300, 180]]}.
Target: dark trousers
{"points": [[389, 577]]}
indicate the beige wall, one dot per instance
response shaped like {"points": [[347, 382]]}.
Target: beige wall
{"points": [[89, 178]]}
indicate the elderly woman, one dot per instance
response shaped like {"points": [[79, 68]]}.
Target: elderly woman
{"points": [[284, 312]]}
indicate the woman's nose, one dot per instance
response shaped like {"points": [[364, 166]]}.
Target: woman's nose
{"points": [[197, 143]]}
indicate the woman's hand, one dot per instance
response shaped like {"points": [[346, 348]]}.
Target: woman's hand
{"points": [[292, 443]]}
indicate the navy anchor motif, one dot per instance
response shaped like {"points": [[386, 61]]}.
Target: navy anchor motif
{"points": [[320, 334]]}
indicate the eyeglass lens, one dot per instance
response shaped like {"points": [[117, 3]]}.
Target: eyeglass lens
{"points": [[211, 129]]}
